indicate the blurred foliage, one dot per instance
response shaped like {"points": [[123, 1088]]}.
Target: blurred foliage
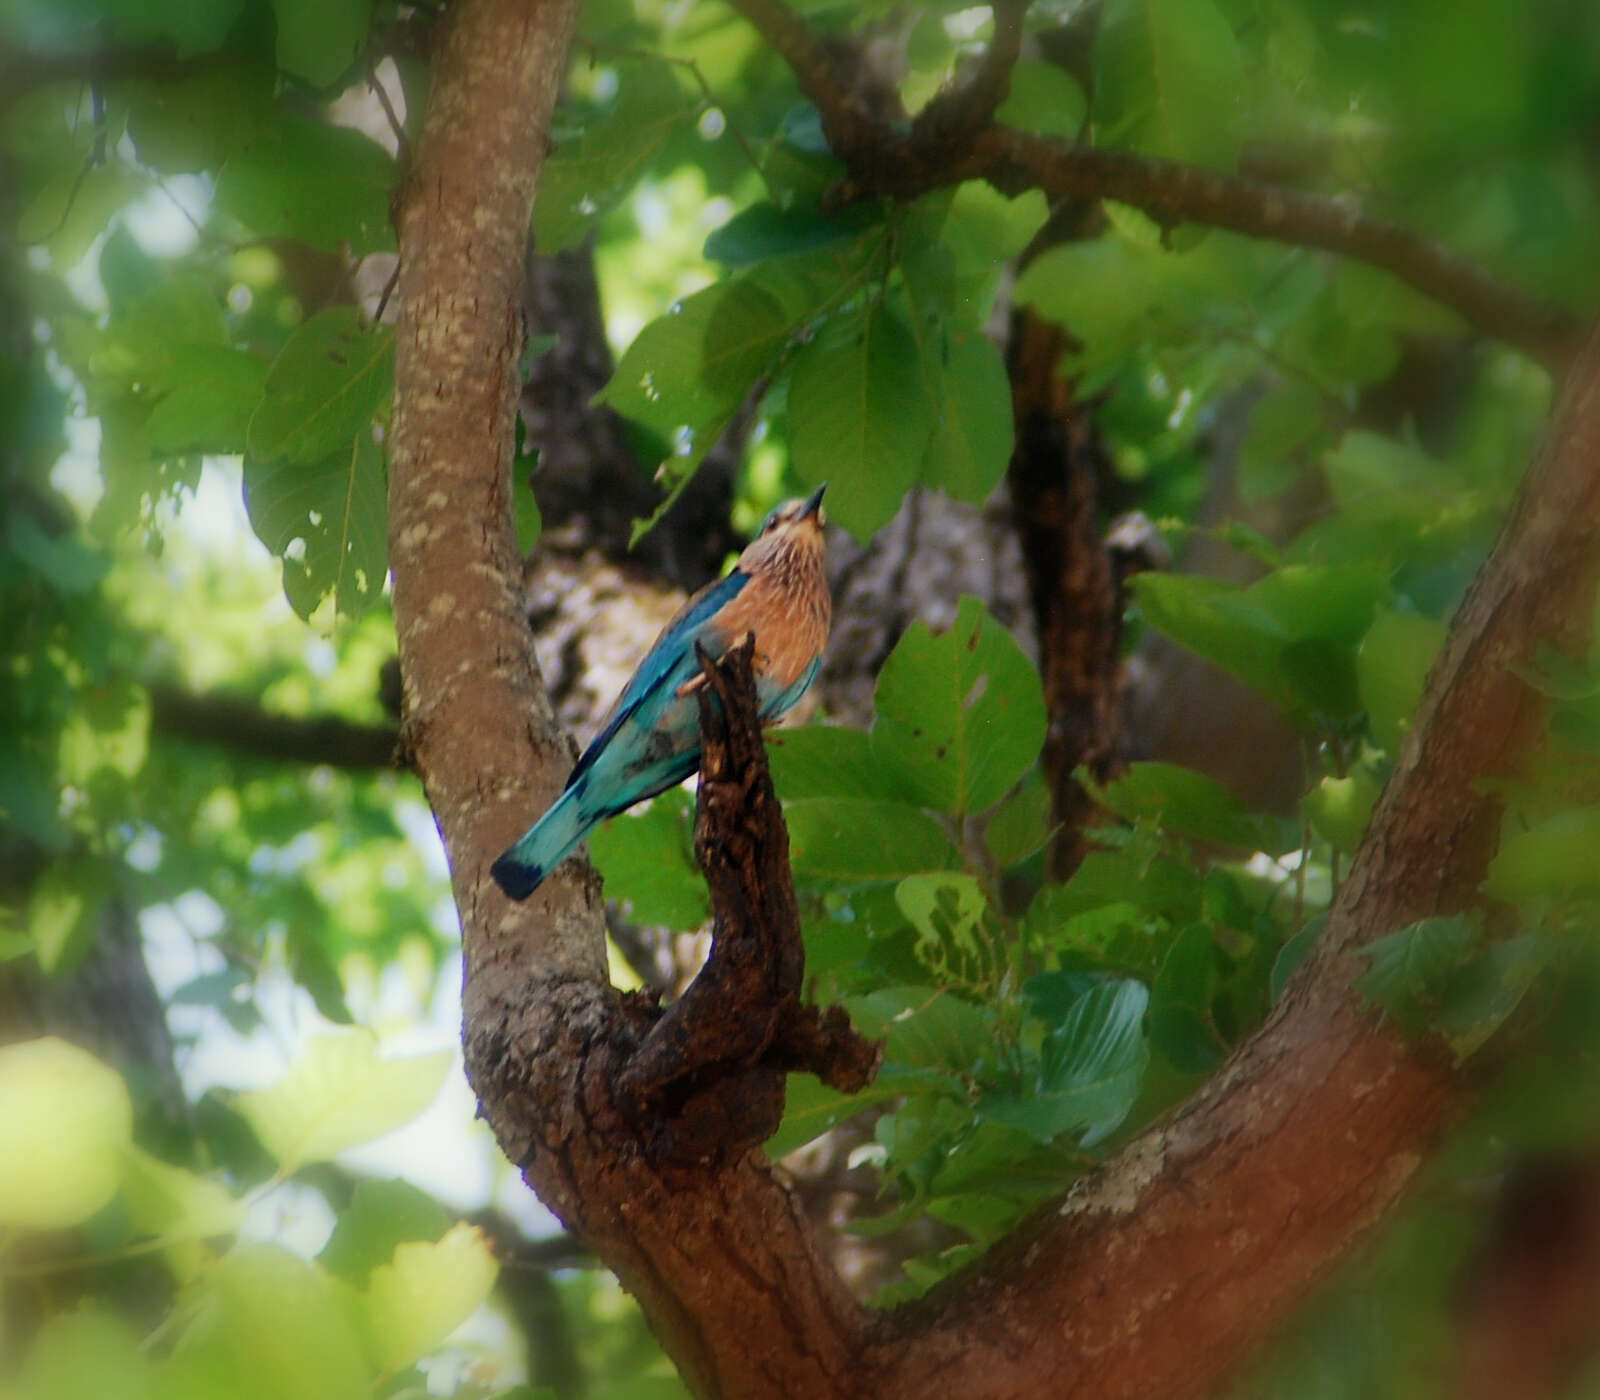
{"points": [[183, 322]]}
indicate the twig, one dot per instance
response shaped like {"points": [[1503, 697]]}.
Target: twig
{"points": [[966, 109], [402, 141]]}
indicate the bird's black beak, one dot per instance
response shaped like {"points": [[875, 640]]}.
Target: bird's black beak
{"points": [[812, 503]]}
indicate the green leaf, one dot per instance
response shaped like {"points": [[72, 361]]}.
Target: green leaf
{"points": [[927, 1028], [64, 912], [83, 1353], [330, 381], [1290, 635], [1392, 665], [1020, 825], [1187, 803], [1044, 97], [1411, 968], [60, 560], [319, 40], [1479, 999], [982, 231], [1551, 859], [1181, 1024], [826, 761], [972, 441], [1117, 880], [74, 207], [694, 366], [339, 1094], [1282, 422], [68, 1121], [380, 1216], [958, 939], [961, 714], [1090, 1069], [324, 185], [424, 1293], [854, 840], [328, 522], [647, 859], [191, 26], [173, 1204], [588, 176], [1340, 808], [1167, 80], [859, 417], [765, 231], [210, 407], [811, 1108], [194, 123], [247, 1304]]}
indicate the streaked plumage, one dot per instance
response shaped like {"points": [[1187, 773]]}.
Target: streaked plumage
{"points": [[650, 740]]}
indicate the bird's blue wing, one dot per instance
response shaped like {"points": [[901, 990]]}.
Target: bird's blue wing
{"points": [[671, 659]]}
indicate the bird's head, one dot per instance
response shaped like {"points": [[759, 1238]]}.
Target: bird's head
{"points": [[793, 528]]}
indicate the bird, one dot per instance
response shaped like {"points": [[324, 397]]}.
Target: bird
{"points": [[650, 739]]}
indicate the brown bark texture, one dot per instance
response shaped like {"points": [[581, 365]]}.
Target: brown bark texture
{"points": [[1158, 1273]]}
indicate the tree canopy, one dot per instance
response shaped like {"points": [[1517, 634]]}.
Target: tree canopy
{"points": [[1254, 328]]}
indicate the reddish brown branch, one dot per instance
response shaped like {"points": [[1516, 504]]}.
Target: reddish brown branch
{"points": [[708, 1078], [938, 153]]}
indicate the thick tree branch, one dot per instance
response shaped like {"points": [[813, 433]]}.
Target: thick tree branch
{"points": [[935, 154], [1158, 1274], [243, 726]]}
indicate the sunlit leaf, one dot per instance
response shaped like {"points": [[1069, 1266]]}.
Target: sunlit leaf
{"points": [[246, 1305], [83, 1353], [338, 1094], [174, 1204], [68, 1121], [425, 1292], [380, 1215]]}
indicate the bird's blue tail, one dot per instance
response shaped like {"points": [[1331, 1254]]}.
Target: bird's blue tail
{"points": [[523, 867]]}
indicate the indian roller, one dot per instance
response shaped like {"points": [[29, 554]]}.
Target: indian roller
{"points": [[650, 740]]}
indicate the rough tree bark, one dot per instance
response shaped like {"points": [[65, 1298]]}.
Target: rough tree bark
{"points": [[1156, 1275]]}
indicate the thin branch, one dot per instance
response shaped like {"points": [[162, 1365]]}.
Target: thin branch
{"points": [[962, 110], [936, 154], [847, 125], [243, 726]]}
